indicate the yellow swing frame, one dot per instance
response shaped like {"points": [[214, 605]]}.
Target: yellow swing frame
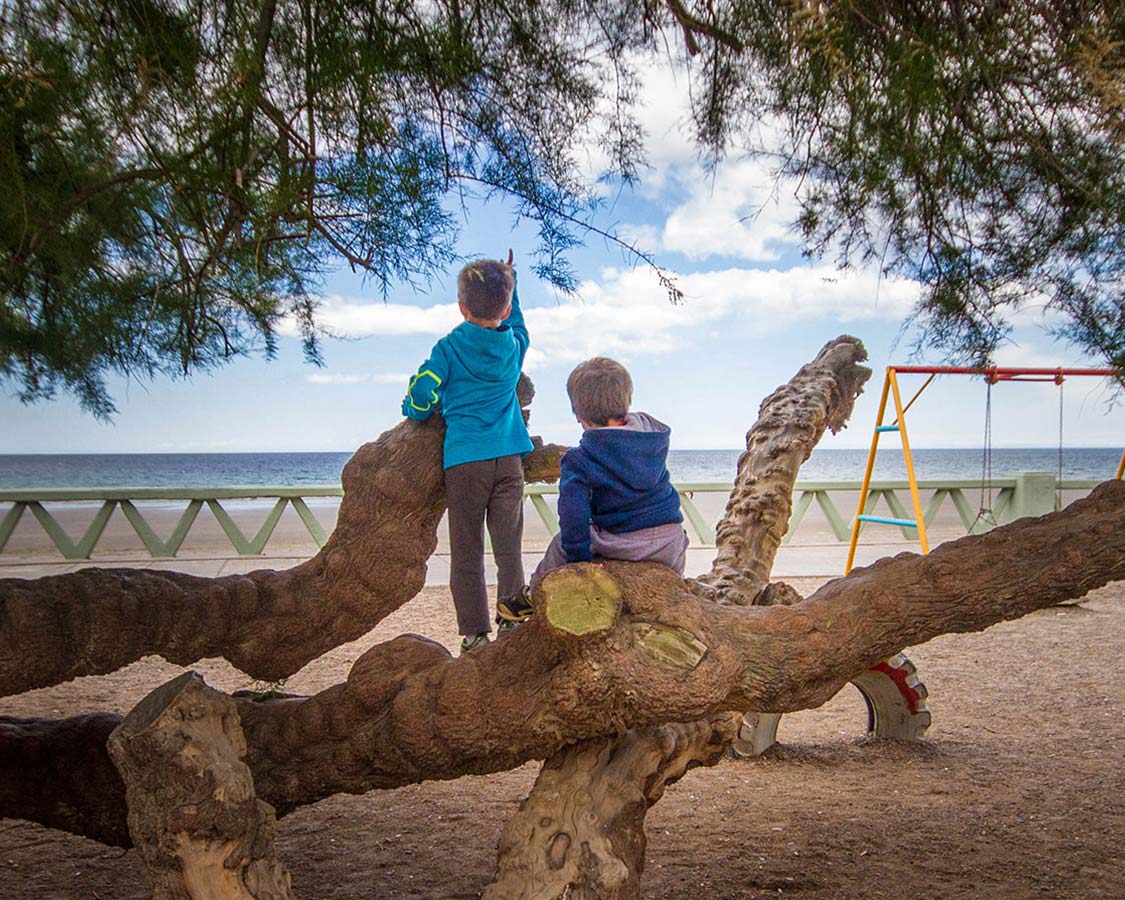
{"points": [[891, 391]]}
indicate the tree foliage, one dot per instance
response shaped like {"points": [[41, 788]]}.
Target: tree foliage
{"points": [[976, 146], [180, 174]]}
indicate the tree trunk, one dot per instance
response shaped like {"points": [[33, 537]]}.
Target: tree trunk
{"points": [[603, 843], [656, 653], [267, 623], [580, 834], [58, 772], [193, 813]]}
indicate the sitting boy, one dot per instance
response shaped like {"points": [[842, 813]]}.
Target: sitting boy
{"points": [[616, 500], [473, 372]]}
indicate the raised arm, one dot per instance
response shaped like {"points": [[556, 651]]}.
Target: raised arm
{"points": [[515, 322]]}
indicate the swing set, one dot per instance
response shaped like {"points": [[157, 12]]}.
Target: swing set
{"points": [[991, 375], [894, 693]]}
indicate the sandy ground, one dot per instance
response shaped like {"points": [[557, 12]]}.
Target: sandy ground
{"points": [[1018, 791]]}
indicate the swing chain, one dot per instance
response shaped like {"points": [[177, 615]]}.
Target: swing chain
{"points": [[984, 513], [1059, 474]]}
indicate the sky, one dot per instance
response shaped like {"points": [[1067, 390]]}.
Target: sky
{"points": [[754, 311]]}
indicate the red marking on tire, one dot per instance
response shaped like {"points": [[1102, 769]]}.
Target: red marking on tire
{"points": [[899, 676]]}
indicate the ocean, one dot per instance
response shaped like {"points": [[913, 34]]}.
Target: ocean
{"points": [[116, 470]]}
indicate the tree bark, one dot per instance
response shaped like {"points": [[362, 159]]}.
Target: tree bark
{"points": [[193, 814], [604, 844], [58, 772], [580, 834], [267, 623], [657, 653], [791, 421]]}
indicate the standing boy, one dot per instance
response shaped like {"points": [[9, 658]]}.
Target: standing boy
{"points": [[616, 499], [472, 372]]}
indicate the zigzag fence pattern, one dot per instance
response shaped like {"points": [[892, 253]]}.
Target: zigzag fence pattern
{"points": [[1005, 504]]}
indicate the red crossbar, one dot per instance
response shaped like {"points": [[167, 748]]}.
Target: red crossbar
{"points": [[1008, 373]]}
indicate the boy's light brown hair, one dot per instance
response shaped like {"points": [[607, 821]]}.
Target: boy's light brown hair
{"points": [[600, 389], [485, 287]]}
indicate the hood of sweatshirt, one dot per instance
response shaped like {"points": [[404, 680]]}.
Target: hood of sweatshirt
{"points": [[487, 354], [635, 453]]}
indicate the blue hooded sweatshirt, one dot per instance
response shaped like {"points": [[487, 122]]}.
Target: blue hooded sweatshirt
{"points": [[617, 478], [472, 372]]}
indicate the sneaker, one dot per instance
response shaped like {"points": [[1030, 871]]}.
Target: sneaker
{"points": [[513, 611], [469, 644]]}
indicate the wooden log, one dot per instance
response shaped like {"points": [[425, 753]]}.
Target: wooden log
{"points": [[193, 813]]}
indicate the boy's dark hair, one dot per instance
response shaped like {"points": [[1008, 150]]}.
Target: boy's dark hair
{"points": [[485, 287], [600, 389]]}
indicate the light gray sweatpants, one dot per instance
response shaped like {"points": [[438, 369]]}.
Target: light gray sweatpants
{"points": [[662, 543]]}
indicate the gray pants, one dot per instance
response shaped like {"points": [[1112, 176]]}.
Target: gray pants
{"points": [[662, 543], [489, 490]]}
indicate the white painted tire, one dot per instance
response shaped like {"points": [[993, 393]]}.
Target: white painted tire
{"points": [[896, 700], [896, 708], [756, 734]]}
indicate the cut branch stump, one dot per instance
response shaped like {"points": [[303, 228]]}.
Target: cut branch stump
{"points": [[193, 813]]}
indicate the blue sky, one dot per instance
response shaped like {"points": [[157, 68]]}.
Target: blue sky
{"points": [[754, 312]]}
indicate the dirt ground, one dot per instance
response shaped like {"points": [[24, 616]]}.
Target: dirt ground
{"points": [[1018, 791]]}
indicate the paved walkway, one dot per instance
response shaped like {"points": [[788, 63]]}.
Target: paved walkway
{"points": [[792, 561]]}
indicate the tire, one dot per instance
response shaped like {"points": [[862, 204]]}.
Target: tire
{"points": [[896, 709]]}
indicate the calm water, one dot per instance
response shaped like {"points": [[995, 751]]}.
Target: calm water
{"points": [[105, 470]]}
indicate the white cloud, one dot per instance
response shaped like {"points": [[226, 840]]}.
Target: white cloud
{"points": [[356, 378], [626, 313], [739, 212], [773, 297], [349, 317], [645, 237], [664, 112]]}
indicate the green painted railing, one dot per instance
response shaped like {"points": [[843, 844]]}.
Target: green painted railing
{"points": [[1029, 493], [70, 548]]}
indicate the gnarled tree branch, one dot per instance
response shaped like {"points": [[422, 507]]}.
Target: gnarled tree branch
{"points": [[791, 421], [267, 623], [657, 654]]}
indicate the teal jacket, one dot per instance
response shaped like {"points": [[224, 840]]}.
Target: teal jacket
{"points": [[472, 372]]}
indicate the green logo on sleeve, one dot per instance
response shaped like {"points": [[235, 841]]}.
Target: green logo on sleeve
{"points": [[431, 385]]}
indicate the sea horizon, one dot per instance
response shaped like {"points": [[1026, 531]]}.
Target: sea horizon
{"points": [[29, 471], [166, 452]]}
